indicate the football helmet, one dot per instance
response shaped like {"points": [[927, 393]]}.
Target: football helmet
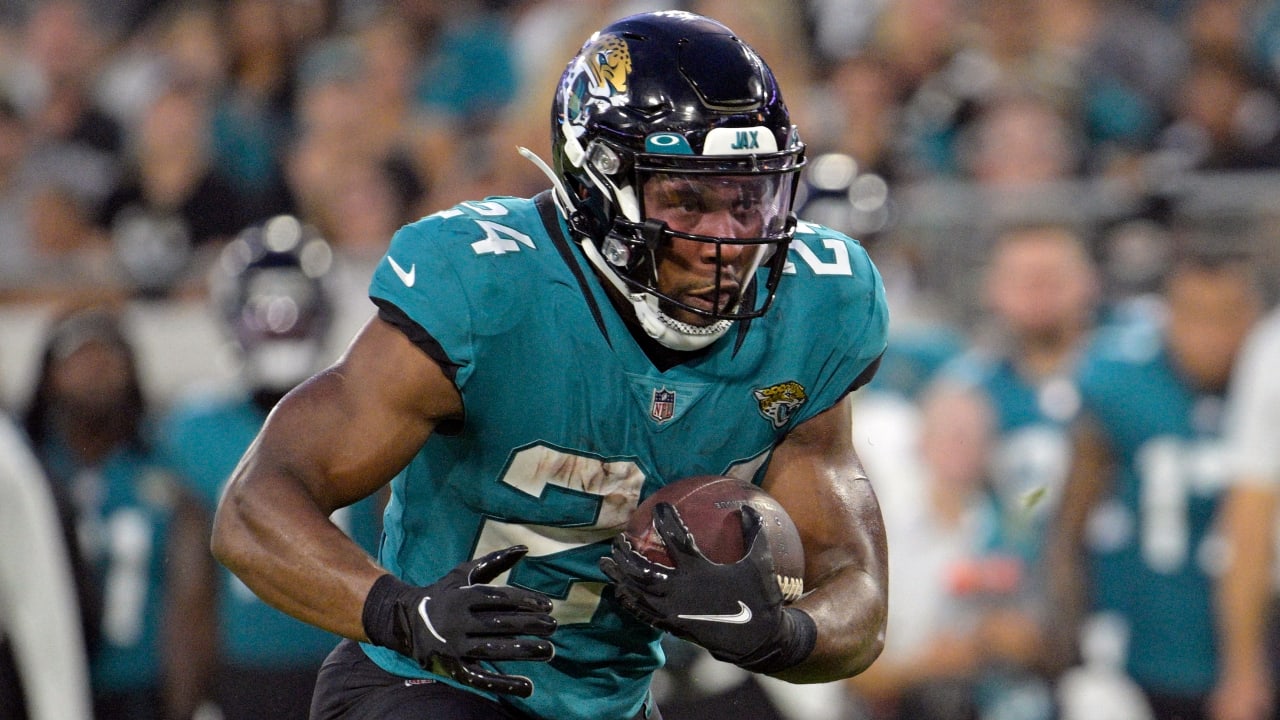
{"points": [[269, 287], [667, 128]]}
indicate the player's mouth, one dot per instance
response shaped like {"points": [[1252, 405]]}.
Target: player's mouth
{"points": [[713, 301]]}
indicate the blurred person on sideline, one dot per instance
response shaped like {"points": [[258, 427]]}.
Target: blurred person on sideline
{"points": [[49, 245], [269, 293], [960, 626], [355, 179], [44, 670], [1224, 117], [1134, 540], [16, 244], [538, 31], [1019, 142], [174, 203], [863, 92], [73, 151], [1247, 586], [1041, 290], [253, 111], [76, 144], [143, 537], [464, 78]]}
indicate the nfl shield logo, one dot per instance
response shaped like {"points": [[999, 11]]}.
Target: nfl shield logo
{"points": [[663, 406]]}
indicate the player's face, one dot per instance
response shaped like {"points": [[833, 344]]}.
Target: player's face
{"points": [[706, 275], [955, 439], [1210, 312], [1041, 283], [92, 382]]}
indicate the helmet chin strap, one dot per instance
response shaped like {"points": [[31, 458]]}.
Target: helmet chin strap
{"points": [[665, 330], [671, 333]]}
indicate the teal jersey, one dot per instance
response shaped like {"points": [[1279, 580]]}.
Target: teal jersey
{"points": [[568, 424], [1032, 452], [124, 511], [203, 439], [1150, 548]]}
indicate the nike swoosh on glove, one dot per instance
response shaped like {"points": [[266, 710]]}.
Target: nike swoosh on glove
{"points": [[454, 624], [734, 610]]}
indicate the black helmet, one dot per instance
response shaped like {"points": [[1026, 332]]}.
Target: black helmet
{"points": [[269, 288], [676, 101]]}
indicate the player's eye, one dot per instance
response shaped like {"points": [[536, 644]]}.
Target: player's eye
{"points": [[683, 200]]}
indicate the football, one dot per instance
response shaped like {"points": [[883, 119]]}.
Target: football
{"points": [[710, 506]]}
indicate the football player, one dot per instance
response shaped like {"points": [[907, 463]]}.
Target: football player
{"points": [[538, 366], [269, 290], [145, 593], [1041, 290], [1134, 541]]}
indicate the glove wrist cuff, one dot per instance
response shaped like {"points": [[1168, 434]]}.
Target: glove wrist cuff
{"points": [[791, 645], [380, 617]]}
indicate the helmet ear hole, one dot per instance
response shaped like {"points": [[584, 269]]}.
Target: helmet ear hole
{"points": [[616, 251], [604, 159]]}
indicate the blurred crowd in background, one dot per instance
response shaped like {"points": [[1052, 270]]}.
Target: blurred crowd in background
{"points": [[1073, 204]]}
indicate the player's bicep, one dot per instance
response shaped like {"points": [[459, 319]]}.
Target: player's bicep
{"points": [[347, 431], [816, 475]]}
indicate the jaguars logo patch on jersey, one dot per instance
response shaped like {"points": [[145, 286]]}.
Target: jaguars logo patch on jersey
{"points": [[779, 402]]}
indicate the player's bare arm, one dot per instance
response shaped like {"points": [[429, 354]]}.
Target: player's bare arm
{"points": [[1087, 480], [1244, 691], [337, 438], [189, 634], [816, 475]]}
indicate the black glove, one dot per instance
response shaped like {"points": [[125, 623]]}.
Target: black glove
{"points": [[454, 623], [735, 610]]}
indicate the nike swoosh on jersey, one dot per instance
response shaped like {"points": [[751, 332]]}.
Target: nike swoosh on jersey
{"points": [[406, 276], [742, 616]]}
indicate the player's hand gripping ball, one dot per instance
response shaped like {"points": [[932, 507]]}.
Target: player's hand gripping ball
{"points": [[716, 561], [710, 506]]}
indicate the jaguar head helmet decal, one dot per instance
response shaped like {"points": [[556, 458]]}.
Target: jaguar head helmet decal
{"points": [[597, 76]]}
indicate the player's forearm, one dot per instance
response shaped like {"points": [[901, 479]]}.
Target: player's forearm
{"points": [[849, 603], [1088, 479], [1245, 587], [1066, 600], [850, 611], [189, 634], [297, 561]]}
